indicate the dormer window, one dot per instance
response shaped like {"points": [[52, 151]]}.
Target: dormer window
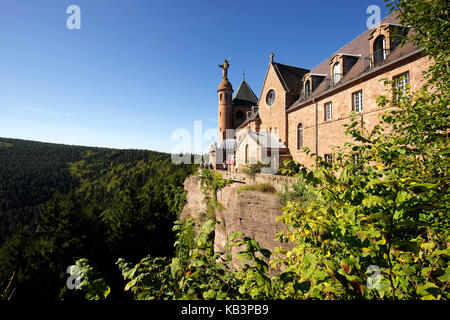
{"points": [[379, 50], [336, 73], [307, 89], [382, 40], [340, 64], [310, 82]]}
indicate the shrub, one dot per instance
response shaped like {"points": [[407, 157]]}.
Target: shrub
{"points": [[262, 187]]}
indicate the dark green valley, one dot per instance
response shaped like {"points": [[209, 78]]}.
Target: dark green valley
{"points": [[59, 203]]}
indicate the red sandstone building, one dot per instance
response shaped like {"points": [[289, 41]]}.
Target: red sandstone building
{"points": [[300, 108]]}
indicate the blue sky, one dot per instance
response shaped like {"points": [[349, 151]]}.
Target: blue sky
{"points": [[140, 69]]}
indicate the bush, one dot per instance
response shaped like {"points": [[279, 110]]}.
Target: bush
{"points": [[254, 168], [262, 187]]}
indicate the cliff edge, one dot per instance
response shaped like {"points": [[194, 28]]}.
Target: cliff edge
{"points": [[248, 211]]}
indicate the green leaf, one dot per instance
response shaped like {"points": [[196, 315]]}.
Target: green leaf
{"points": [[427, 289], [235, 235], [175, 267], [446, 276], [302, 286], [260, 280], [106, 292], [130, 284]]}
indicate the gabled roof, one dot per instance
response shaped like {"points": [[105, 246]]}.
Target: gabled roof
{"points": [[245, 96], [263, 139], [290, 76]]}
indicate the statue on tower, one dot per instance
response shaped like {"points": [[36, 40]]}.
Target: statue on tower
{"points": [[225, 67]]}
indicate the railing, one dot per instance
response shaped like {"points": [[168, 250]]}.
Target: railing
{"points": [[375, 59]]}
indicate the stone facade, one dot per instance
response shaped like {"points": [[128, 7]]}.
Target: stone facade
{"points": [[331, 133], [273, 118]]}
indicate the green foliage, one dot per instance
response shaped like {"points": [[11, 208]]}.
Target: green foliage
{"points": [[253, 169], [30, 174], [297, 192], [388, 208], [431, 32], [59, 203], [5, 144], [91, 281], [254, 278], [212, 181], [261, 187], [197, 273]]}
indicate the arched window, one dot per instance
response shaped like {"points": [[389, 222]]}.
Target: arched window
{"points": [[307, 89], [336, 73], [246, 154], [299, 136], [379, 50]]}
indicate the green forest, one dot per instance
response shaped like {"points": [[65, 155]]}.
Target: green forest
{"points": [[59, 203]]}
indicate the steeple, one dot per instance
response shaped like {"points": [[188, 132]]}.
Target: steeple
{"points": [[244, 95], [225, 92]]}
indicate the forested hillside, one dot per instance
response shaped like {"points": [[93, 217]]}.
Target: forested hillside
{"points": [[59, 203]]}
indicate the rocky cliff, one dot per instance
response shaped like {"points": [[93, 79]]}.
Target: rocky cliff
{"points": [[251, 212]]}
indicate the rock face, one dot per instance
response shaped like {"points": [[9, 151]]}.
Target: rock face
{"points": [[195, 204], [251, 212]]}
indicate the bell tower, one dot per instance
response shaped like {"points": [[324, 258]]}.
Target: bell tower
{"points": [[225, 95]]}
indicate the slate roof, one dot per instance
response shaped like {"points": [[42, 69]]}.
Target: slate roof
{"points": [[290, 76], [244, 96], [264, 140], [228, 144], [359, 46], [249, 119]]}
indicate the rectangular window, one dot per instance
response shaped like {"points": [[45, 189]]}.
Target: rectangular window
{"points": [[357, 101], [329, 158], [400, 82], [328, 111]]}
